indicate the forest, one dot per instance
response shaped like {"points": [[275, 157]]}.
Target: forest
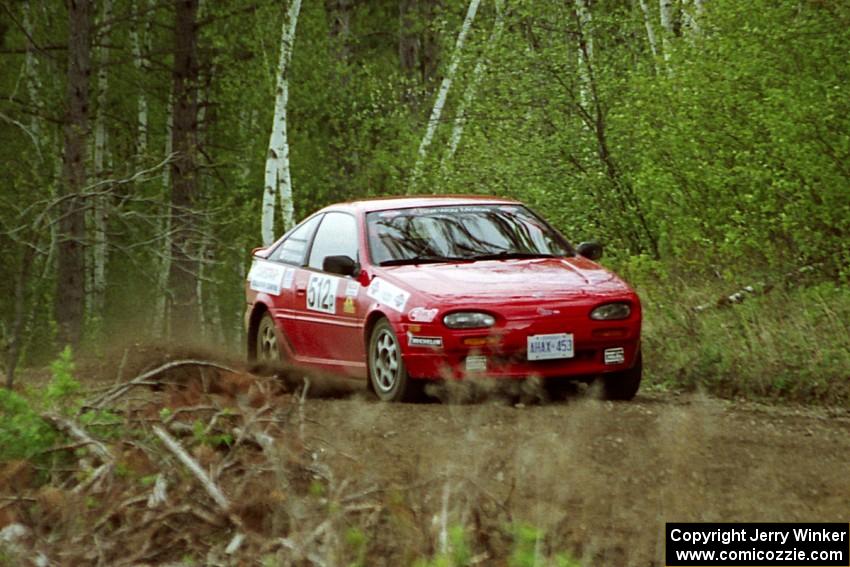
{"points": [[149, 145]]}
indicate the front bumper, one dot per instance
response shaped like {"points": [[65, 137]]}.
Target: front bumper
{"points": [[504, 351]]}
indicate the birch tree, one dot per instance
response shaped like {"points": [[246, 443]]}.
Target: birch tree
{"points": [[443, 93], [650, 30], [161, 318], [101, 202], [472, 88], [141, 45], [34, 86], [692, 15], [278, 181], [585, 50], [666, 9]]}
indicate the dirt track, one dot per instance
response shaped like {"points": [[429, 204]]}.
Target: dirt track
{"points": [[599, 478], [338, 478]]}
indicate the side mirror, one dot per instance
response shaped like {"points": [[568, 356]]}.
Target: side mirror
{"points": [[342, 265], [590, 250], [256, 251]]}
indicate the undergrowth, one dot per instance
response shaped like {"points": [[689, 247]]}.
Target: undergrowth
{"points": [[25, 434], [788, 343]]}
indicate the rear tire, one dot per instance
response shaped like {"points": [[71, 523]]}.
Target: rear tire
{"points": [[267, 343], [388, 376], [623, 385]]}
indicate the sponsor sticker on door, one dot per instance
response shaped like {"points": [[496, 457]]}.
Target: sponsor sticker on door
{"points": [[266, 277]]}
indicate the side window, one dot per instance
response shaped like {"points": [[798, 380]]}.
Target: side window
{"points": [[337, 236], [294, 247]]}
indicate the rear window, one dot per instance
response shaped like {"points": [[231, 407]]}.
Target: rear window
{"points": [[294, 247]]}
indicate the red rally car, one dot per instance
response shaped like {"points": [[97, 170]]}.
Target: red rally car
{"points": [[402, 291]]}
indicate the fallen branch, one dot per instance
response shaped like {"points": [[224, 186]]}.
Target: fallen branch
{"points": [[118, 391], [159, 495], [77, 432], [212, 488], [99, 449], [760, 288], [733, 298]]}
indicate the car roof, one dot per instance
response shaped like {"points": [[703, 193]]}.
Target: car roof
{"points": [[388, 203]]}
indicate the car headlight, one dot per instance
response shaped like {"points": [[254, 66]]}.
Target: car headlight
{"points": [[611, 312], [468, 320]]}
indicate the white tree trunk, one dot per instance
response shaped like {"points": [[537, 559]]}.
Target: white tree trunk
{"points": [[100, 211], [278, 182], [33, 82], [666, 8], [440, 102], [161, 317], [203, 248], [199, 284], [650, 30], [141, 49], [469, 94], [691, 16], [586, 21]]}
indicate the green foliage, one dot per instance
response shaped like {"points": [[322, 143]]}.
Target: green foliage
{"points": [[63, 387], [458, 554], [204, 437], [148, 480], [528, 550], [23, 434], [357, 544]]}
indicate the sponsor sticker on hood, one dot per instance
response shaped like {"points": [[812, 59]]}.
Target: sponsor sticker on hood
{"points": [[388, 294]]}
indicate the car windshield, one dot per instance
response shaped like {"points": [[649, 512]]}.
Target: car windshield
{"points": [[465, 233]]}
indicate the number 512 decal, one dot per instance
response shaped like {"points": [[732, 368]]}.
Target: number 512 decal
{"points": [[321, 293]]}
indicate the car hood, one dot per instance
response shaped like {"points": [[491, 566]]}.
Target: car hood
{"points": [[536, 280]]}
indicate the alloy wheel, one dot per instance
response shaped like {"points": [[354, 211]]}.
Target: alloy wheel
{"points": [[385, 361]]}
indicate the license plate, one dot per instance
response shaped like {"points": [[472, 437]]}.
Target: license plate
{"points": [[548, 347]]}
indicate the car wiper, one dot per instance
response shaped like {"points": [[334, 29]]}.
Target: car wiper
{"points": [[424, 260], [508, 255]]}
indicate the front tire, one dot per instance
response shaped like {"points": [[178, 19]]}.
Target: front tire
{"points": [[387, 373], [623, 385]]}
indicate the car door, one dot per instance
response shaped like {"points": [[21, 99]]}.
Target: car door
{"points": [[291, 255], [329, 321]]}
